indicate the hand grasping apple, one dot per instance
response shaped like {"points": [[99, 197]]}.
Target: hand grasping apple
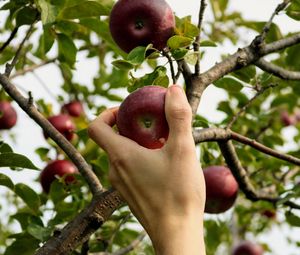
{"points": [[164, 187]]}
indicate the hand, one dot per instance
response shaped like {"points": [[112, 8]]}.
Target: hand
{"points": [[164, 188]]}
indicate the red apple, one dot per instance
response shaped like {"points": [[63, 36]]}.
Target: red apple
{"points": [[141, 117], [138, 23], [247, 248], [64, 124], [271, 214], [8, 115], [287, 119], [73, 108], [221, 189], [57, 168]]}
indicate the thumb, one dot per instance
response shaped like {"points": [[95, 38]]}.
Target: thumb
{"points": [[178, 114]]}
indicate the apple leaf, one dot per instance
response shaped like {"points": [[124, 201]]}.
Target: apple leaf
{"points": [[39, 232], [48, 11], [6, 181], [185, 27], [25, 245], [29, 196], [14, 160], [229, 84], [26, 16], [178, 41], [245, 74], [292, 219], [191, 58], [85, 9], [123, 64], [4, 147], [293, 10], [67, 49], [137, 55], [179, 53], [207, 43]]}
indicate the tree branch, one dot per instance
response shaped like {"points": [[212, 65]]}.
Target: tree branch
{"points": [[11, 37], [84, 225], [203, 5], [66, 146], [220, 134], [277, 71]]}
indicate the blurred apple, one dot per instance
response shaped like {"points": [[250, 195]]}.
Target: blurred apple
{"points": [[8, 115]]}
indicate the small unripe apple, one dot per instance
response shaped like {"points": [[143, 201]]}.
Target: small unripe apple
{"points": [[221, 189], [73, 108], [141, 117], [8, 115], [57, 168], [248, 248], [139, 23], [64, 124]]}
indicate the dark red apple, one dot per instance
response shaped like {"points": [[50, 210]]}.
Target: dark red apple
{"points": [[141, 117], [8, 115], [139, 23], [271, 214], [221, 189], [287, 119], [64, 124], [73, 108], [57, 168], [247, 248]]}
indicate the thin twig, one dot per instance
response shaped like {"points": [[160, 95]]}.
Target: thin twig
{"points": [[11, 37], [277, 70], [244, 108], [167, 55], [9, 67], [203, 5], [31, 68]]}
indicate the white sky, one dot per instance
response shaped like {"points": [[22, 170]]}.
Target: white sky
{"points": [[29, 135]]}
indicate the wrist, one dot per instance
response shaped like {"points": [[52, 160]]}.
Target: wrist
{"points": [[179, 236]]}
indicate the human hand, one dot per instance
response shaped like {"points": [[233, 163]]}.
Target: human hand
{"points": [[164, 188]]}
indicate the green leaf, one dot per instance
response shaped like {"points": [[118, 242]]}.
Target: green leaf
{"points": [[293, 10], [185, 27], [292, 219], [25, 245], [67, 49], [4, 147], [207, 43], [84, 9], [137, 55], [245, 74], [292, 58], [191, 58], [229, 84], [48, 11], [178, 41], [10, 159], [26, 16], [48, 38], [29, 196], [219, 7], [39, 232], [6, 181], [179, 53], [123, 64]]}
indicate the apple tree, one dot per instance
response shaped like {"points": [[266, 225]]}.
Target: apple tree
{"points": [[80, 213]]}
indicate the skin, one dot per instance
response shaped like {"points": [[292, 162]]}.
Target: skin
{"points": [[164, 188]]}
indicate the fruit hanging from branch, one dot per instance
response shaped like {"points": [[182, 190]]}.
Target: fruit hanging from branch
{"points": [[248, 248], [8, 115], [64, 124], [73, 108], [57, 168], [221, 189], [140, 23], [141, 117]]}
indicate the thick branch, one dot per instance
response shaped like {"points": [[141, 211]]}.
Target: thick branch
{"points": [[242, 58], [277, 70], [67, 147], [84, 225]]}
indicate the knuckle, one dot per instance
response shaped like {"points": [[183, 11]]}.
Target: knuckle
{"points": [[181, 113]]}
